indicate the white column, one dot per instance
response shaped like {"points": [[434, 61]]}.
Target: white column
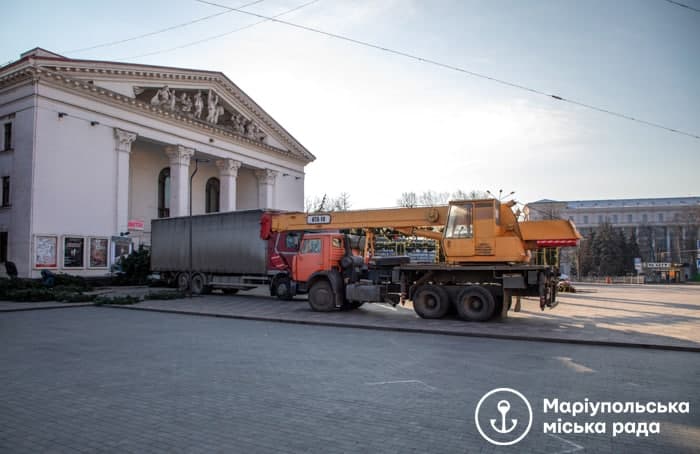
{"points": [[228, 175], [179, 157], [266, 187], [123, 141]]}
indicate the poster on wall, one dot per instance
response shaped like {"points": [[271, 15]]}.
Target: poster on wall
{"points": [[98, 252], [45, 252], [73, 252], [121, 247]]}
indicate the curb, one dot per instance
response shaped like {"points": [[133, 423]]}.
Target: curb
{"points": [[43, 308], [422, 330]]}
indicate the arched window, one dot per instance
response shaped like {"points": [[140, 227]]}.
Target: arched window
{"points": [[212, 195], [164, 193]]}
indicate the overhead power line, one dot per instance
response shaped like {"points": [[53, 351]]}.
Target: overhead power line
{"points": [[683, 5], [221, 35], [458, 69], [156, 32]]}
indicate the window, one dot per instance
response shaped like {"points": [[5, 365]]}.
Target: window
{"points": [[164, 193], [585, 219], [8, 137], [212, 196], [483, 211], [6, 191], [292, 241], [459, 222], [661, 217], [614, 219], [311, 246], [644, 218], [629, 218], [600, 219]]}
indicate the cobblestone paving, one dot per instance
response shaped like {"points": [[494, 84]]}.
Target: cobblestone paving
{"points": [[98, 380], [667, 316]]}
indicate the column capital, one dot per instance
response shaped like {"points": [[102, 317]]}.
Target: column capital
{"points": [[124, 139], [179, 154], [266, 176], [228, 167]]}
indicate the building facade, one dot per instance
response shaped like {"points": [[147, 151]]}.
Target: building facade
{"points": [[666, 229], [92, 151]]}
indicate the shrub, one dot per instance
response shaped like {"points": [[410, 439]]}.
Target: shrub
{"points": [[135, 268], [67, 280], [29, 295], [73, 297], [117, 300], [166, 295]]}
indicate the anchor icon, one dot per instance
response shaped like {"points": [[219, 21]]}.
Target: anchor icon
{"points": [[503, 407]]}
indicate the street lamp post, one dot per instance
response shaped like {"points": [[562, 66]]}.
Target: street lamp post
{"points": [[189, 271]]}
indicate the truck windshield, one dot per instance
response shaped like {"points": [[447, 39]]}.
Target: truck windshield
{"points": [[312, 246], [459, 222]]}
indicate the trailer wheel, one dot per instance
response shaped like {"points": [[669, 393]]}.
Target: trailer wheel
{"points": [[431, 301], [199, 284], [475, 304], [321, 297], [183, 282]]}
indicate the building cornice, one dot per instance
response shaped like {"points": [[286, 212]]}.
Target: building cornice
{"points": [[74, 74]]}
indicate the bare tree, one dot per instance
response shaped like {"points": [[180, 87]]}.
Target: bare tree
{"points": [[317, 204], [407, 200], [433, 198], [341, 203]]}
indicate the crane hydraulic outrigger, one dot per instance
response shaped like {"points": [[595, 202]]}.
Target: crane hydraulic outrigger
{"points": [[486, 259]]}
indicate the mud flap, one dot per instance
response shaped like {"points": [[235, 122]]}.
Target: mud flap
{"points": [[338, 286], [547, 291]]}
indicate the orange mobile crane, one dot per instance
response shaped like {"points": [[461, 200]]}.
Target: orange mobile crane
{"points": [[486, 259]]}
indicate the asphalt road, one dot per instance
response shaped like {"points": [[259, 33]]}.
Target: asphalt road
{"points": [[95, 379]]}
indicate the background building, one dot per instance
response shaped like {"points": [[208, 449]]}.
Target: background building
{"points": [[91, 151], [666, 229]]}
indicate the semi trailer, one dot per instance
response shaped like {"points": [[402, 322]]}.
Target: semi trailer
{"points": [[484, 256]]}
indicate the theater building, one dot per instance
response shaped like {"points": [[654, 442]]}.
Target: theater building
{"points": [[92, 151]]}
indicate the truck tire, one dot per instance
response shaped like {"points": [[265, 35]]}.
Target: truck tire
{"points": [[183, 281], [198, 284], [321, 296], [282, 288], [475, 304], [431, 301]]}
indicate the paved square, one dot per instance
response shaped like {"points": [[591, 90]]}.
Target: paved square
{"points": [[95, 379]]}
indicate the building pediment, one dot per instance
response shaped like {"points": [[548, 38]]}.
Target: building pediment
{"points": [[204, 106], [200, 99]]}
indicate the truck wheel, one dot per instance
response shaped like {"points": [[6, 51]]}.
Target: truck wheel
{"points": [[198, 284], [282, 288], [475, 304], [431, 301], [183, 282], [321, 297]]}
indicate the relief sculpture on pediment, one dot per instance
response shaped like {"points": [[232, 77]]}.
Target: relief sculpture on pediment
{"points": [[192, 104]]}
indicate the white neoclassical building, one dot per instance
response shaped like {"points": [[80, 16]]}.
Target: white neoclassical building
{"points": [[93, 150]]}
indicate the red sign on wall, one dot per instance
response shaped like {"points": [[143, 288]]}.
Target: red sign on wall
{"points": [[135, 225]]}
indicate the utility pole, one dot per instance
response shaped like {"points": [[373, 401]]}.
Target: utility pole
{"points": [[189, 271]]}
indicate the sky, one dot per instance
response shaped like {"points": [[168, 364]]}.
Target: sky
{"points": [[381, 124]]}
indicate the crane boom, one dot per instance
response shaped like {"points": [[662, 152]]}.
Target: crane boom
{"points": [[396, 218]]}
